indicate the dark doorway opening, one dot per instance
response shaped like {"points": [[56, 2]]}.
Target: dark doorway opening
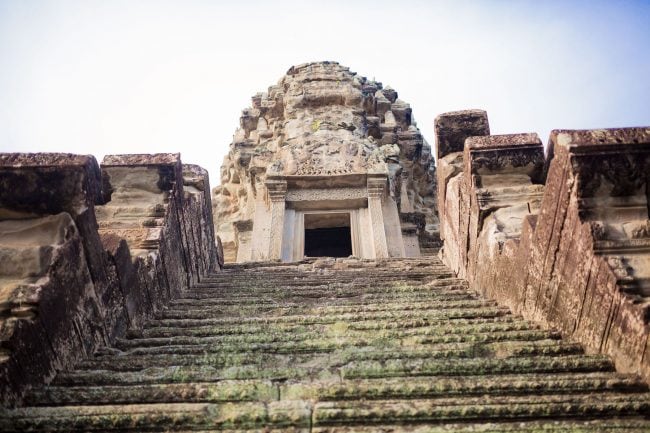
{"points": [[328, 241]]}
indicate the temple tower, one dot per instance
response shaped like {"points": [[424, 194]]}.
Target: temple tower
{"points": [[326, 163]]}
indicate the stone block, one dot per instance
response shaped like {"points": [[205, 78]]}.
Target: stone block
{"points": [[454, 127]]}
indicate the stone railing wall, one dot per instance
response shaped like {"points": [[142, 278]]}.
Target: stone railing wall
{"points": [[564, 240], [87, 254]]}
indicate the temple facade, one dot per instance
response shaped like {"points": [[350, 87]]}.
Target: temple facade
{"points": [[326, 163]]}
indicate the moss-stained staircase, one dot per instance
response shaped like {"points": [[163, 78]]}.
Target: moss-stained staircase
{"points": [[338, 346]]}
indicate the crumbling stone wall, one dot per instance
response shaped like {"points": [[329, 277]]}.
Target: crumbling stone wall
{"points": [[563, 240], [86, 254]]}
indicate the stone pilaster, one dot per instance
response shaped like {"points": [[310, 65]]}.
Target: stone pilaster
{"points": [[376, 191], [277, 190]]}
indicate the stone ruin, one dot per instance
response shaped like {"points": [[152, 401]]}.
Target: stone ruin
{"points": [[88, 253], [326, 155], [562, 239], [117, 312]]}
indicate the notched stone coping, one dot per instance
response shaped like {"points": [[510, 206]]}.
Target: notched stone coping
{"points": [[45, 159], [136, 159], [503, 141], [601, 138], [472, 112]]}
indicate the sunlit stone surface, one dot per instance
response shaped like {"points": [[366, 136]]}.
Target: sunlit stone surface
{"points": [[322, 146]]}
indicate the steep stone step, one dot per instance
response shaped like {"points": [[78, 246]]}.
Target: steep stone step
{"points": [[434, 387], [219, 328], [298, 413], [368, 389], [478, 408], [338, 277], [319, 367], [323, 296], [292, 309], [385, 346], [169, 416], [401, 368], [432, 288], [321, 345], [633, 425], [251, 341], [339, 329], [456, 313], [498, 350]]}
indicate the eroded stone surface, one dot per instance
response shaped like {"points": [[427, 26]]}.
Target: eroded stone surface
{"points": [[83, 257], [338, 345], [322, 121], [569, 249]]}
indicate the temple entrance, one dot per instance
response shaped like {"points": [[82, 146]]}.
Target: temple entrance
{"points": [[328, 234]]}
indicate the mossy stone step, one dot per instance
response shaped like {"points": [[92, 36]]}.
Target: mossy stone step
{"points": [[304, 309], [324, 297], [323, 368], [454, 313], [388, 346], [224, 359], [326, 290], [333, 390], [478, 408], [251, 341], [168, 416], [307, 346], [611, 425], [446, 387], [252, 328], [341, 329]]}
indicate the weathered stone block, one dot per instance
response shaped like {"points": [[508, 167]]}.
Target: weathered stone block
{"points": [[582, 264], [454, 127]]}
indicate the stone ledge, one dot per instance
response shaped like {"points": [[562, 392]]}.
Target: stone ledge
{"points": [[588, 140], [142, 159], [504, 141]]}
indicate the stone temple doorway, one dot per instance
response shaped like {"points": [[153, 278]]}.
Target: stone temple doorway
{"points": [[327, 235]]}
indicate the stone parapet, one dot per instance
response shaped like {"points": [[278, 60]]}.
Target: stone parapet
{"points": [[563, 240], [97, 252]]}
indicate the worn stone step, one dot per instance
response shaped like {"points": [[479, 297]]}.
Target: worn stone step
{"points": [[401, 368], [369, 389], [445, 387], [336, 341], [229, 329], [308, 346], [478, 408], [615, 425], [319, 368], [339, 329], [192, 392], [301, 309], [323, 296], [453, 313], [224, 359], [328, 286], [168, 416], [330, 276], [292, 413], [334, 277], [564, 425], [387, 346]]}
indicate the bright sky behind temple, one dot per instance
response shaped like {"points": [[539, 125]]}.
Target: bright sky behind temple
{"points": [[142, 76]]}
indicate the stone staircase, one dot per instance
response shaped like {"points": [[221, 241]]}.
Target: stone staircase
{"points": [[338, 346]]}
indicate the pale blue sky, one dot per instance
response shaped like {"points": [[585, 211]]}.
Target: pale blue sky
{"points": [[162, 76]]}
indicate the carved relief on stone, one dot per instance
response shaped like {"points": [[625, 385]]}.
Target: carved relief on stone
{"points": [[321, 119]]}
